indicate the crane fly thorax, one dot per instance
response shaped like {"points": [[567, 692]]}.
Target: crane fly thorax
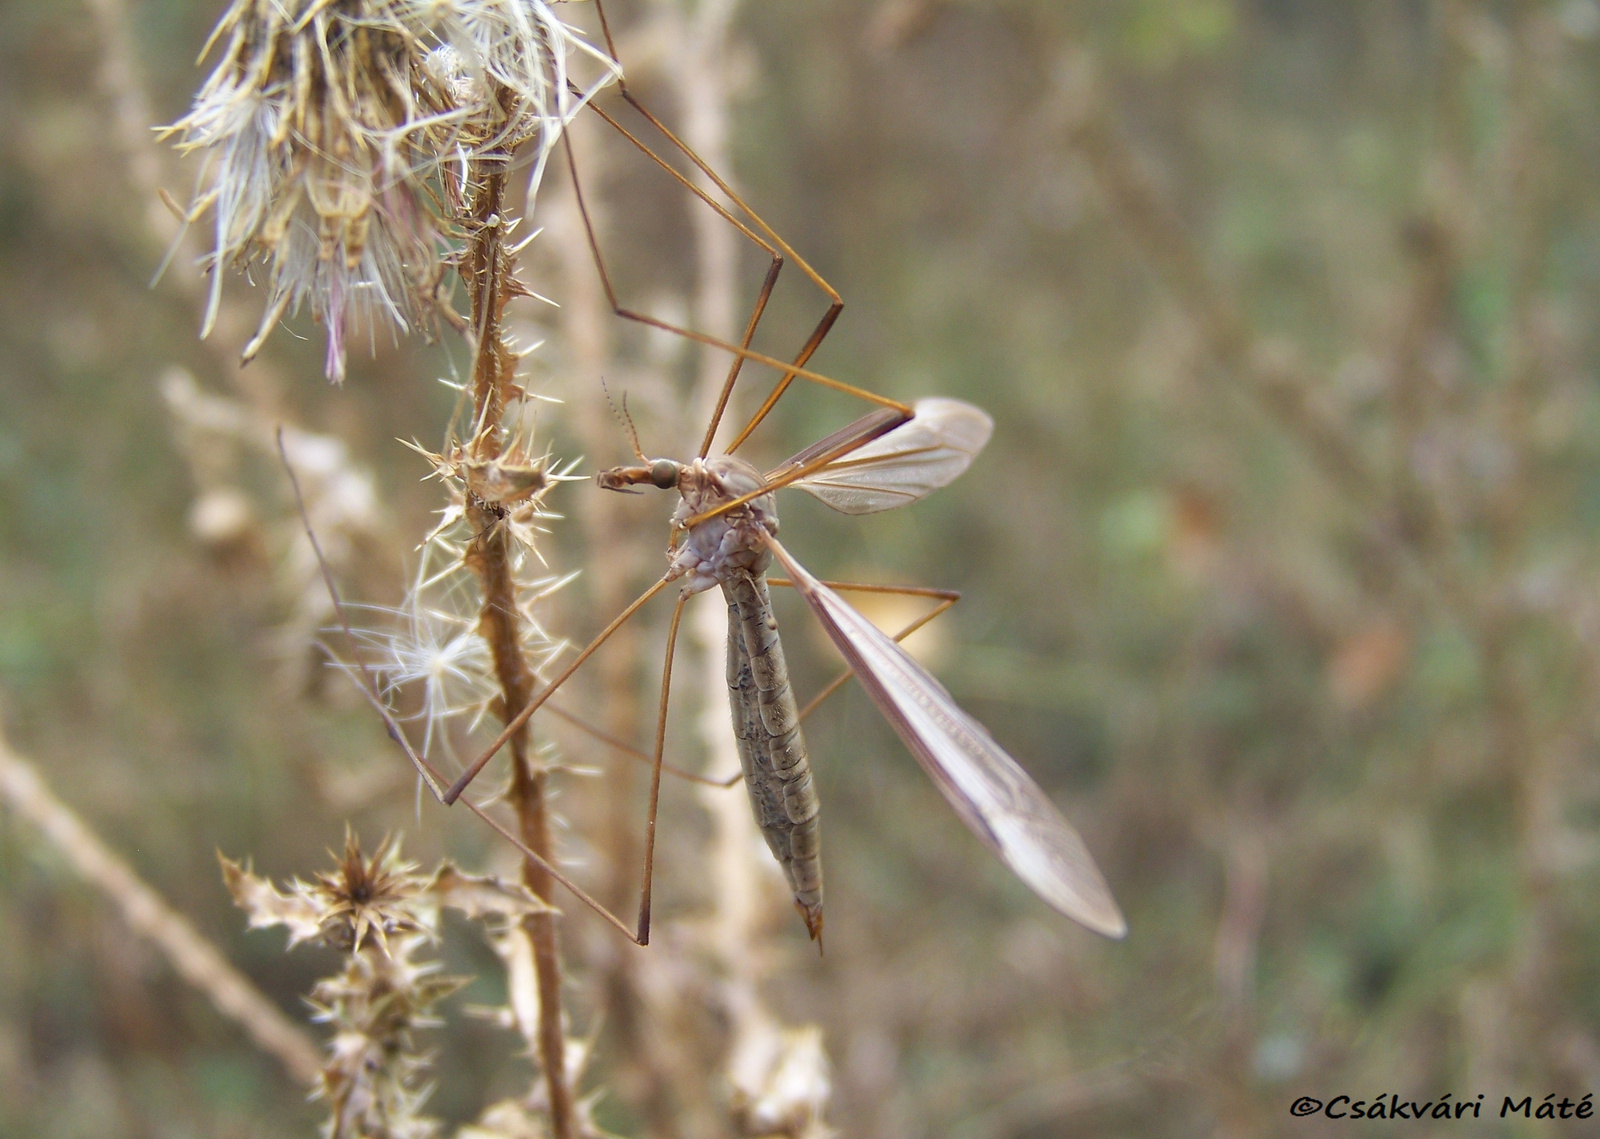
{"points": [[733, 542]]}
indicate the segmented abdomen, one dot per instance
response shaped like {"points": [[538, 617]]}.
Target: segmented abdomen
{"points": [[777, 772]]}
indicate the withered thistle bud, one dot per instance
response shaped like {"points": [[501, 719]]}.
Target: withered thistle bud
{"points": [[336, 133]]}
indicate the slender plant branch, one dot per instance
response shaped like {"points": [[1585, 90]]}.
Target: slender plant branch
{"points": [[488, 274], [192, 957]]}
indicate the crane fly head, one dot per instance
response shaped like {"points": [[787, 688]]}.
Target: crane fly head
{"points": [[663, 473]]}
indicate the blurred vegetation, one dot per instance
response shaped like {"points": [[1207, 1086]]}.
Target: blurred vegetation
{"points": [[1279, 572]]}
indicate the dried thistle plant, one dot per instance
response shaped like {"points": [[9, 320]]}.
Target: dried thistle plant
{"points": [[358, 158], [385, 917], [338, 137]]}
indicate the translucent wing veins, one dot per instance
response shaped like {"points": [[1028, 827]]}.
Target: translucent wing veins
{"points": [[899, 466], [986, 787]]}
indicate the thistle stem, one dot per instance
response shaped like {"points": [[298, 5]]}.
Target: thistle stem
{"points": [[488, 277]]}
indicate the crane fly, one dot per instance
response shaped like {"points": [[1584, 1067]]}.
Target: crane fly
{"points": [[724, 532]]}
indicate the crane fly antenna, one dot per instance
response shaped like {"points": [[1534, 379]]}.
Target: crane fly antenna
{"points": [[625, 419], [633, 432]]}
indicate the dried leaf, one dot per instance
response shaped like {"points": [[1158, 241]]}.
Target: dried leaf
{"points": [[268, 907], [483, 895]]}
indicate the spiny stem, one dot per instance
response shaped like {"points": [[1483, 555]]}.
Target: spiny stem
{"points": [[488, 278]]}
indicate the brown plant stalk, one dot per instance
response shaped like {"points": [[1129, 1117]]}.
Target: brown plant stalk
{"points": [[191, 956], [488, 274]]}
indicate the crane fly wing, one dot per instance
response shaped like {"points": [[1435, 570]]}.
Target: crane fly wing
{"points": [[997, 800], [848, 439], [909, 462]]}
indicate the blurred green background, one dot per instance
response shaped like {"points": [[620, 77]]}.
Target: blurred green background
{"points": [[1279, 572]]}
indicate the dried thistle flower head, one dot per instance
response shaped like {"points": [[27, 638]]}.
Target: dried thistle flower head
{"points": [[511, 477], [430, 651], [374, 1080], [431, 643], [379, 896], [502, 470], [332, 126], [375, 895]]}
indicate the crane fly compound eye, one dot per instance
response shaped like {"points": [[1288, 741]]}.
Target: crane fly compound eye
{"points": [[664, 473]]}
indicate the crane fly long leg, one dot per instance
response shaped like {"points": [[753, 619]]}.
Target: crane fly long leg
{"points": [[425, 771], [677, 176], [772, 243], [715, 178], [576, 890], [850, 437], [945, 597], [996, 799], [774, 268], [790, 370], [655, 774], [843, 678], [429, 774], [835, 301], [937, 594], [435, 780], [532, 706], [626, 748], [734, 369]]}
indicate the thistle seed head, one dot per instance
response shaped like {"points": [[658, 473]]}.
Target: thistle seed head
{"points": [[365, 895], [338, 134]]}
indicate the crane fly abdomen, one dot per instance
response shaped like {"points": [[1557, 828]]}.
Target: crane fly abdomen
{"points": [[731, 550], [772, 752]]}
